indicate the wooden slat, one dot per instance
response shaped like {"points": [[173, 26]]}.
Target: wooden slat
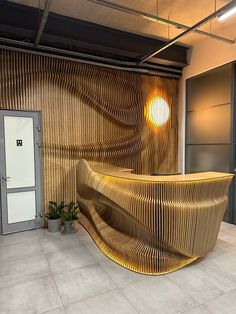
{"points": [[151, 226], [89, 112]]}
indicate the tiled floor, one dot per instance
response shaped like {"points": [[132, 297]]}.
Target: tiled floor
{"points": [[56, 274]]}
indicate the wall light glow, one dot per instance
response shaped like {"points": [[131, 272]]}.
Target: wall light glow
{"points": [[157, 111]]}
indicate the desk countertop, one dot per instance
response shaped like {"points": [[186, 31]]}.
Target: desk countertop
{"points": [[126, 173]]}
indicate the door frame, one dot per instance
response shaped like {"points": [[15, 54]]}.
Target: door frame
{"points": [[38, 188]]}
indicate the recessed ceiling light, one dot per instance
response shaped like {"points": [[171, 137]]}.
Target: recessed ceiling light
{"points": [[227, 14]]}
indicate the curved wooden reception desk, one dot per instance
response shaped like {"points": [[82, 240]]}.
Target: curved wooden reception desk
{"points": [[151, 224]]}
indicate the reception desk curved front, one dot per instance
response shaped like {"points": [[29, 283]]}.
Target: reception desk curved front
{"points": [[151, 224]]}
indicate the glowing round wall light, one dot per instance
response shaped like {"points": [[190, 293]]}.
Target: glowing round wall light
{"points": [[157, 111]]}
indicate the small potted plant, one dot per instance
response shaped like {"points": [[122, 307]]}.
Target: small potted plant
{"points": [[54, 216], [69, 216]]}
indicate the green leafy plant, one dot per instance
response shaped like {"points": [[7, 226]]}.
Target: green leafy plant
{"points": [[70, 212], [55, 210]]}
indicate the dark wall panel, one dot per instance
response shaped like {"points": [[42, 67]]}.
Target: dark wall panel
{"points": [[209, 124], [209, 89], [208, 158]]}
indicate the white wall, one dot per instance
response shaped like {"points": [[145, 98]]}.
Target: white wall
{"points": [[206, 54]]}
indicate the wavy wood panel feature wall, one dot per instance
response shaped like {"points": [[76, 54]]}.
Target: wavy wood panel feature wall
{"points": [[89, 112]]}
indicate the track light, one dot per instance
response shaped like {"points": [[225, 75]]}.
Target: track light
{"points": [[227, 14]]}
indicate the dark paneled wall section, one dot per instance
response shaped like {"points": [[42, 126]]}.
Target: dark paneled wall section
{"points": [[89, 112], [209, 123]]}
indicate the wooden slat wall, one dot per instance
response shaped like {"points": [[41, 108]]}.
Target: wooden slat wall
{"points": [[89, 112]]}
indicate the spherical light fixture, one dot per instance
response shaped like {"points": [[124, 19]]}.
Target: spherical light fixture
{"points": [[157, 111]]}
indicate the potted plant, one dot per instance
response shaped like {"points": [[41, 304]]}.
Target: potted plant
{"points": [[54, 216], [69, 216]]}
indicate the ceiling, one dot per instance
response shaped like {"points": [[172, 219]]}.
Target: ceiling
{"points": [[127, 32], [186, 12]]}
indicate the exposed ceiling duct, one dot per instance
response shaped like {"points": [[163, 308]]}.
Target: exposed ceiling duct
{"points": [[188, 31], [159, 19]]}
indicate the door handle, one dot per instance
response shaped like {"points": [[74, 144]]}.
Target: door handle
{"points": [[6, 178]]}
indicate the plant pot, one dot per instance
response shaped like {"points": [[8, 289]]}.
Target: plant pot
{"points": [[71, 226], [54, 225]]}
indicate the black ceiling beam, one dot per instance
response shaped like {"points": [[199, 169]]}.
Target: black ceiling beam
{"points": [[188, 31], [21, 23], [43, 22], [157, 19], [88, 59]]}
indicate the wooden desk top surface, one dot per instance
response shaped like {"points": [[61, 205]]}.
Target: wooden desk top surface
{"points": [[126, 173]]}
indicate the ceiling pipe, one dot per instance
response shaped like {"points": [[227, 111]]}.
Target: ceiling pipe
{"points": [[87, 59], [188, 31], [158, 19], [42, 22]]}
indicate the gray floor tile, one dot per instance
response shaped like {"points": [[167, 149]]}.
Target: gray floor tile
{"points": [[158, 295], [225, 304], [228, 241], [70, 259], [35, 296], [112, 302], [120, 275], [231, 231], [59, 310], [197, 310], [226, 226], [19, 250], [59, 242], [20, 237], [96, 252], [87, 240], [201, 283], [222, 246], [82, 232], [25, 274], [12, 272], [224, 236], [223, 264], [82, 283]]}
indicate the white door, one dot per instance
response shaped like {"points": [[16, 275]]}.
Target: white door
{"points": [[20, 170]]}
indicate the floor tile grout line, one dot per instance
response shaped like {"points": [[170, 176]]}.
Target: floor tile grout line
{"points": [[120, 288], [16, 258], [186, 292], [74, 268], [21, 258], [133, 305], [57, 308], [223, 274], [18, 242], [208, 311], [116, 286], [201, 306], [65, 305], [90, 297], [203, 303], [219, 296], [68, 248], [74, 245], [23, 279], [54, 281], [32, 277]]}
